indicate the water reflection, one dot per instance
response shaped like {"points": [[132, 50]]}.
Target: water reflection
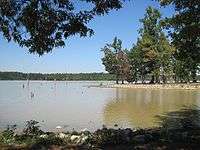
{"points": [[74, 105], [138, 107]]}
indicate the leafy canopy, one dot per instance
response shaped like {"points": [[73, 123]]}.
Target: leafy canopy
{"points": [[115, 59], [185, 33], [41, 25], [152, 53]]}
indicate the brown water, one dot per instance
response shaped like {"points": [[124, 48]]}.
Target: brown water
{"points": [[77, 105]]}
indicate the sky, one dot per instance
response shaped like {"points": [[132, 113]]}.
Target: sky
{"points": [[81, 54]]}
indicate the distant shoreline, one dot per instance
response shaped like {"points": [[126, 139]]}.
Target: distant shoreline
{"points": [[57, 76], [184, 86]]}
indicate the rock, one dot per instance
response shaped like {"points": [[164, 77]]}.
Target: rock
{"points": [[149, 137], [127, 133], [140, 148], [184, 135], [134, 130], [58, 127], [84, 130], [115, 125], [84, 138], [62, 135], [43, 136], [74, 137], [139, 139]]}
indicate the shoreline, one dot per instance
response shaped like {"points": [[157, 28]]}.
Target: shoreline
{"points": [[174, 133], [179, 86], [105, 138]]}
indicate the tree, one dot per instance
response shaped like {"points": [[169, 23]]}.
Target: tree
{"points": [[109, 61], [41, 25], [123, 65], [165, 57], [150, 33], [186, 32], [181, 71], [115, 60], [137, 64], [152, 53]]}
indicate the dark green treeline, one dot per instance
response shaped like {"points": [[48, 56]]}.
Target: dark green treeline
{"points": [[56, 76]]}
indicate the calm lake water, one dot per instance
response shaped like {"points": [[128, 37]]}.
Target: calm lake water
{"points": [[78, 105]]}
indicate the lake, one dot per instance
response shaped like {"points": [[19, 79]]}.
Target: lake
{"points": [[79, 104]]}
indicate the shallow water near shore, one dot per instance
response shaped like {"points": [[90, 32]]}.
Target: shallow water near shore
{"points": [[79, 104]]}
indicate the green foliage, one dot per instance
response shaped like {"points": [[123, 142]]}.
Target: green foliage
{"points": [[41, 143], [179, 127], [31, 136], [7, 136], [181, 71], [151, 24], [41, 25], [136, 62], [116, 60], [186, 32], [56, 76], [152, 55], [32, 128]]}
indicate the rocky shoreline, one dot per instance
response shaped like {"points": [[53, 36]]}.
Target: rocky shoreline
{"points": [[110, 139], [191, 86]]}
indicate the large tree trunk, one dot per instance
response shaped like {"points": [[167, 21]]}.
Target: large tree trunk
{"points": [[157, 79], [175, 78], [152, 79], [164, 79], [122, 81], [117, 79], [136, 80], [142, 77], [194, 76]]}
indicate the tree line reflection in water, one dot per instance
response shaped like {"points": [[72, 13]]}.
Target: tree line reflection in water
{"points": [[139, 107]]}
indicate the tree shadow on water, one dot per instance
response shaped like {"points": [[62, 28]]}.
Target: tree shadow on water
{"points": [[181, 125]]}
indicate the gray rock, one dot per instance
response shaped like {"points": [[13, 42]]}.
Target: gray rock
{"points": [[139, 139], [74, 138]]}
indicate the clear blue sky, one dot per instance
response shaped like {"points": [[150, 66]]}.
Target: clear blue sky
{"points": [[81, 54]]}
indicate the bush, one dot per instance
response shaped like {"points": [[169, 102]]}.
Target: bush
{"points": [[7, 136], [32, 128]]}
